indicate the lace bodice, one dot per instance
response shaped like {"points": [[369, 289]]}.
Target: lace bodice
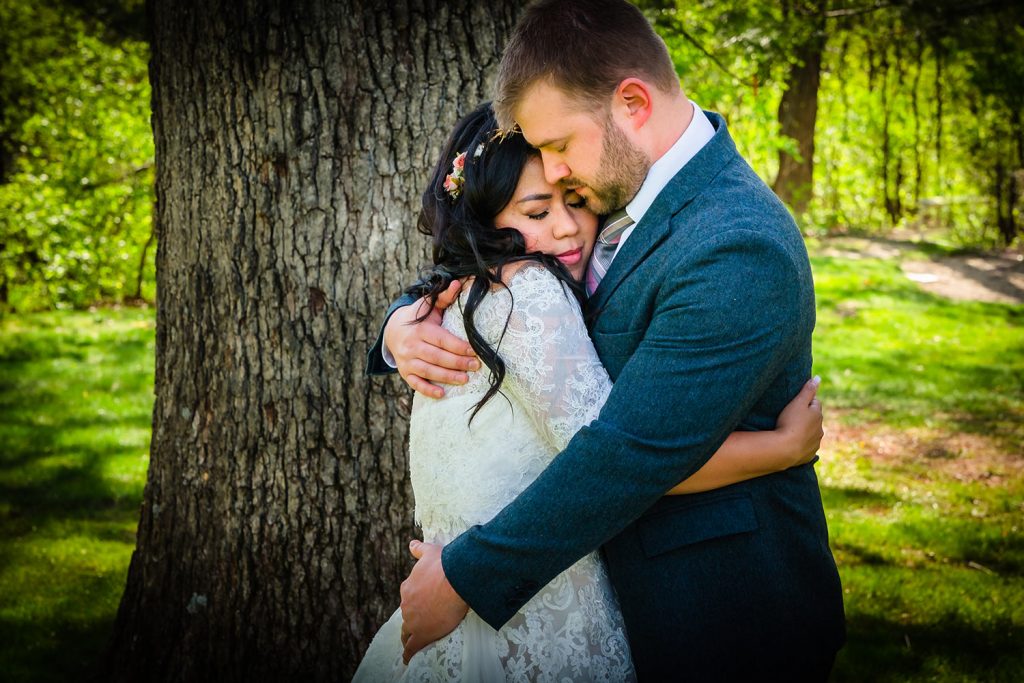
{"points": [[554, 384], [465, 474]]}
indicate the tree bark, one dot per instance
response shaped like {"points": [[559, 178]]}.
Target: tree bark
{"points": [[293, 141], [798, 112]]}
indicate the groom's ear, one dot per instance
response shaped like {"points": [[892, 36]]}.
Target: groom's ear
{"points": [[633, 101]]}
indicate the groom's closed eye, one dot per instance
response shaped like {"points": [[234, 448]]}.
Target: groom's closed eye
{"points": [[550, 144]]}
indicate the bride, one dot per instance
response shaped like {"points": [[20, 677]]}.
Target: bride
{"points": [[522, 246]]}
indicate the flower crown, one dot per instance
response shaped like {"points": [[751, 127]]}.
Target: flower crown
{"points": [[454, 181]]}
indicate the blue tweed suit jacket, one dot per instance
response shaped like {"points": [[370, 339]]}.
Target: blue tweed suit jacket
{"points": [[704, 323]]}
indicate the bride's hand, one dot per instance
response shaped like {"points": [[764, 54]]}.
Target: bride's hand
{"points": [[800, 424]]}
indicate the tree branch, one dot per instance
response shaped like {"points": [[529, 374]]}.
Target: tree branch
{"points": [[853, 11], [693, 41]]}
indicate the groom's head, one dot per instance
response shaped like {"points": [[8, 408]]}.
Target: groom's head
{"points": [[582, 80]]}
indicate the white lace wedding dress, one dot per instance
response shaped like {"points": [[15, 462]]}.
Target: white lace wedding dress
{"points": [[463, 475]]}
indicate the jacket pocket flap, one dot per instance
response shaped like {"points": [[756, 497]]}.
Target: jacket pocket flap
{"points": [[618, 343], [702, 522]]}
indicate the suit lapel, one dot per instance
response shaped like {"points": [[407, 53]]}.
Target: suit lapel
{"points": [[655, 226]]}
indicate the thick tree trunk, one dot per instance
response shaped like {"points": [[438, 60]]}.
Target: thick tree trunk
{"points": [[293, 141], [798, 113]]}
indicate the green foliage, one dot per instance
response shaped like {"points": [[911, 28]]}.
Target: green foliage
{"points": [[919, 107], [725, 54], [76, 205]]}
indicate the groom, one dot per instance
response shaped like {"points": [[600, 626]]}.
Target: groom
{"points": [[702, 314]]}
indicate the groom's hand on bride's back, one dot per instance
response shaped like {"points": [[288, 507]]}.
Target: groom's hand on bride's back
{"points": [[431, 609], [425, 352]]}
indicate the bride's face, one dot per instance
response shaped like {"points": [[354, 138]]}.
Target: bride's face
{"points": [[551, 219]]}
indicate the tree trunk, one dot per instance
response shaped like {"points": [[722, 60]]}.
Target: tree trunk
{"points": [[798, 112], [293, 141]]}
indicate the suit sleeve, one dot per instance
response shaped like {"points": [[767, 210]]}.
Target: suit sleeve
{"points": [[722, 329]]}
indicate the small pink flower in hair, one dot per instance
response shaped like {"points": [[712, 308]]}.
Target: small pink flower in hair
{"points": [[454, 180]]}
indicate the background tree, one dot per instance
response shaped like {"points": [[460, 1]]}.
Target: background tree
{"points": [[798, 109], [292, 142], [903, 112]]}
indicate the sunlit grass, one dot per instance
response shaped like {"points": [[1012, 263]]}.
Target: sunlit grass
{"points": [[888, 350], [923, 476], [75, 405]]}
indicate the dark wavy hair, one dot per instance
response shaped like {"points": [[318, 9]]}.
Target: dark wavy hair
{"points": [[466, 241]]}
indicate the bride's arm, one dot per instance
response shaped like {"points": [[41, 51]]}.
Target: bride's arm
{"points": [[745, 455]]}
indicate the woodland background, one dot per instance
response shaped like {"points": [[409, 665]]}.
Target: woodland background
{"points": [[892, 129]]}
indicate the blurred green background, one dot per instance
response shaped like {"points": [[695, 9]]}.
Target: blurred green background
{"points": [[912, 222]]}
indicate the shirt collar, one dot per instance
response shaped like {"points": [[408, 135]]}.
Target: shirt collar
{"points": [[697, 134]]}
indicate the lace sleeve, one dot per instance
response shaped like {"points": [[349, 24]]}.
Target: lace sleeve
{"points": [[551, 364]]}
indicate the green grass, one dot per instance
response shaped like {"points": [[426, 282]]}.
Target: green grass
{"points": [[893, 352], [75, 408], [923, 478], [922, 475]]}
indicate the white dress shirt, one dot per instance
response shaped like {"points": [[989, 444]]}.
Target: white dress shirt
{"points": [[697, 134]]}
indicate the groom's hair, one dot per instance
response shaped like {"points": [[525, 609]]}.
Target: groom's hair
{"points": [[583, 47]]}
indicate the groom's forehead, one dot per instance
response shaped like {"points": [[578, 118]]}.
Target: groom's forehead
{"points": [[547, 115]]}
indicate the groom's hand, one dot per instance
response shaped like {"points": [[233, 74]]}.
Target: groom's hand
{"points": [[431, 609], [425, 352]]}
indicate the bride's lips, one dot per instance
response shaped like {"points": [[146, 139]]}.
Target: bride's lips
{"points": [[571, 258]]}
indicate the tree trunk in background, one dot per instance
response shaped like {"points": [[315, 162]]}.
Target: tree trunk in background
{"points": [[798, 110], [293, 141]]}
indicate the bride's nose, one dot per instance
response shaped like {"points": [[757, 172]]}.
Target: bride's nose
{"points": [[565, 224]]}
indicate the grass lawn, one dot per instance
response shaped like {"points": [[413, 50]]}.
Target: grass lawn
{"points": [[922, 474], [75, 410]]}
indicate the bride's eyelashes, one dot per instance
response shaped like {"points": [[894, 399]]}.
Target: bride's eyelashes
{"points": [[538, 216]]}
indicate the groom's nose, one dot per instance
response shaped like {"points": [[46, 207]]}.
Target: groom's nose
{"points": [[554, 169]]}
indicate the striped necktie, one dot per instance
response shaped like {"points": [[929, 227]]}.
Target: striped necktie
{"points": [[604, 249]]}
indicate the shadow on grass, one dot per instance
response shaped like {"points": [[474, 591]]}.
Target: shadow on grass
{"points": [[73, 404], [857, 554], [917, 385], [984, 277], [60, 649], [973, 545], [78, 483], [835, 497], [881, 650]]}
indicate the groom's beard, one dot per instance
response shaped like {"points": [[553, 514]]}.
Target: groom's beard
{"points": [[620, 174]]}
